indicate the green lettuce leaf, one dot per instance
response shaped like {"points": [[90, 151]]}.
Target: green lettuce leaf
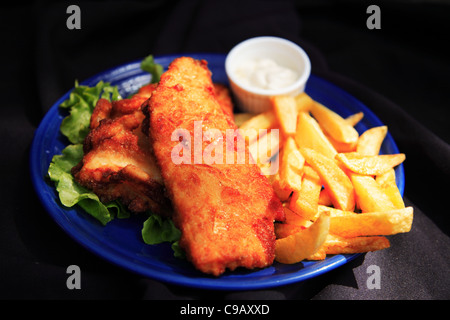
{"points": [[157, 229], [178, 252], [75, 127], [70, 193], [155, 69], [81, 103]]}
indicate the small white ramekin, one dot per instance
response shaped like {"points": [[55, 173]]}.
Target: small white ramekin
{"points": [[283, 52]]}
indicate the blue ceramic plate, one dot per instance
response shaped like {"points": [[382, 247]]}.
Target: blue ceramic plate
{"points": [[120, 241]]}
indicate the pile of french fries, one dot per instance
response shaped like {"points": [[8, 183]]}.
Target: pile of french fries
{"points": [[339, 193]]}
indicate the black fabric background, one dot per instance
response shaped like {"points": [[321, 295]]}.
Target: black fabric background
{"points": [[400, 72]]}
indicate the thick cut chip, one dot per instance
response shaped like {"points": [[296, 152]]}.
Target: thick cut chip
{"points": [[283, 230], [324, 198], [388, 184], [334, 124], [241, 118], [341, 146], [369, 143], [303, 244], [292, 224], [266, 147], [333, 211], [282, 191], [265, 120], [305, 201], [319, 255], [339, 245], [354, 118], [292, 155], [338, 184], [369, 195], [372, 223], [310, 135], [370, 165], [291, 167], [290, 177], [285, 108], [304, 102], [295, 219], [251, 128]]}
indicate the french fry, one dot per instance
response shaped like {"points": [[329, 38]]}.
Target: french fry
{"points": [[339, 187], [339, 245], [319, 255], [341, 146], [370, 165], [303, 244], [305, 201], [293, 157], [354, 118], [264, 120], [292, 224], [250, 128], [291, 166], [282, 191], [290, 178], [265, 147], [251, 135], [310, 135], [324, 198], [295, 219], [334, 124], [388, 184], [333, 211], [381, 223], [369, 143], [369, 195], [286, 111], [283, 230], [240, 118], [304, 102]]}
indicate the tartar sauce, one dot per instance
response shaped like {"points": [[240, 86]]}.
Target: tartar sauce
{"points": [[266, 74]]}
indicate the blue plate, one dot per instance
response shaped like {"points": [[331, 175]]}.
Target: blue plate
{"points": [[120, 241]]}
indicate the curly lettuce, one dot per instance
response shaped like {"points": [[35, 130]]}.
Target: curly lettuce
{"points": [[81, 103], [149, 65], [71, 193], [157, 230]]}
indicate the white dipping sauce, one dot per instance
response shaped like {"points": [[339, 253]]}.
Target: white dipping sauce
{"points": [[265, 74]]}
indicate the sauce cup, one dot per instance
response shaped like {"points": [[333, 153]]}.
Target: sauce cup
{"points": [[248, 95]]}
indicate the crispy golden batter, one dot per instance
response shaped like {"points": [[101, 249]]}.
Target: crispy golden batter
{"points": [[117, 162], [223, 98], [225, 212]]}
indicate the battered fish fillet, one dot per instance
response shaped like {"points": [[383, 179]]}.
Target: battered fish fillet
{"points": [[226, 212], [118, 162]]}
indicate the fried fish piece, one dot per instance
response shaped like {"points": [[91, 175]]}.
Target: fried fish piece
{"points": [[224, 98], [118, 162], [225, 212]]}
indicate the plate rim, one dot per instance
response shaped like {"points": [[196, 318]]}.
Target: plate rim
{"points": [[205, 282]]}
